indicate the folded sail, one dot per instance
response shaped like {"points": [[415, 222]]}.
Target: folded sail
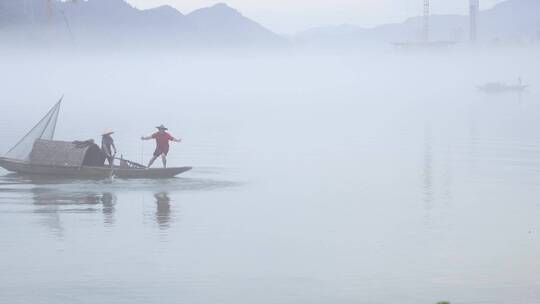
{"points": [[44, 129]]}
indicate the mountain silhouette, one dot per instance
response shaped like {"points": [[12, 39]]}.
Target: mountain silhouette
{"points": [[115, 21]]}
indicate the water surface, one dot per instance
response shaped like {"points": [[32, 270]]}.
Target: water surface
{"points": [[358, 178]]}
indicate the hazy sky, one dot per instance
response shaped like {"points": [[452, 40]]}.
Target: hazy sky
{"points": [[290, 16]]}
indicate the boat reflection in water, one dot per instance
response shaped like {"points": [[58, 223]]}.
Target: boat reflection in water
{"points": [[60, 204], [51, 203]]}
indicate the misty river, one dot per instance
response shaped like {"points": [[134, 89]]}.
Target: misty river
{"points": [[372, 177]]}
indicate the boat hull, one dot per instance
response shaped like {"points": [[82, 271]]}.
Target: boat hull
{"points": [[86, 172], [496, 89]]}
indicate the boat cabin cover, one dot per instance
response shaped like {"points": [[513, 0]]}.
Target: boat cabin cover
{"points": [[66, 154]]}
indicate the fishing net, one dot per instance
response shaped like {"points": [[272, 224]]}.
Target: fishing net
{"points": [[44, 129]]}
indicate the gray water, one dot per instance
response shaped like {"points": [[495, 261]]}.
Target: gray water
{"points": [[318, 178]]}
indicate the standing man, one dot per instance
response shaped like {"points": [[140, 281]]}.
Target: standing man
{"points": [[162, 144], [107, 146]]}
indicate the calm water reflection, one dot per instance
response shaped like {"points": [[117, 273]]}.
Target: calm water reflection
{"points": [[53, 198]]}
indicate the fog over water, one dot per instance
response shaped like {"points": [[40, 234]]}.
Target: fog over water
{"points": [[319, 177]]}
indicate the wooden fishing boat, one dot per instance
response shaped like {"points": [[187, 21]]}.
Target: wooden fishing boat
{"points": [[497, 87], [86, 172], [78, 160]]}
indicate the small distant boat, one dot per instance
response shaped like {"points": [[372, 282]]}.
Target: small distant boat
{"points": [[499, 87], [38, 154]]}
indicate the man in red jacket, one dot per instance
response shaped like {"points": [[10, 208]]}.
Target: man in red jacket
{"points": [[162, 144]]}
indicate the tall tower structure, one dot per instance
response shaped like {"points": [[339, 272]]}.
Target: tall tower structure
{"points": [[49, 10], [425, 32], [474, 9]]}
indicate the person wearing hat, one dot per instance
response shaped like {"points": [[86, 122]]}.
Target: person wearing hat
{"points": [[107, 146], [162, 144]]}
